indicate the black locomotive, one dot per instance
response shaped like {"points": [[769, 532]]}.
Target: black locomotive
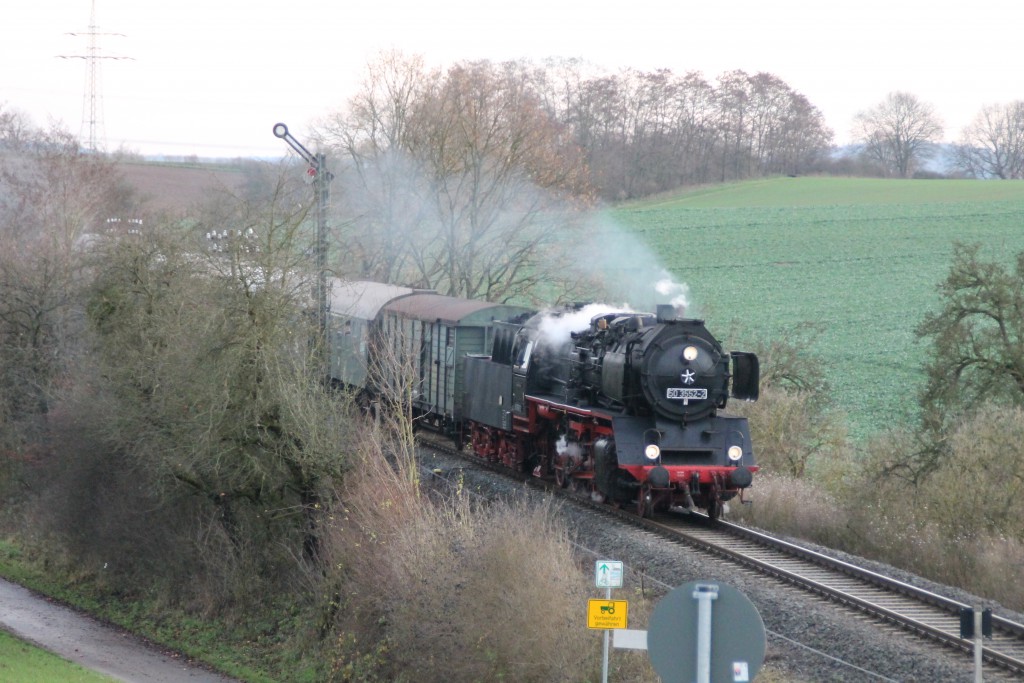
{"points": [[628, 406]]}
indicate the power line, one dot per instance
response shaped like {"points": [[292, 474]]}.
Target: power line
{"points": [[92, 102]]}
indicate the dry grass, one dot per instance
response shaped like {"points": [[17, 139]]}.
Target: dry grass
{"points": [[453, 591], [796, 507]]}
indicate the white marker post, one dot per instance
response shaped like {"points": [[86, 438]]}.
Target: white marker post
{"points": [[979, 646], [976, 624]]}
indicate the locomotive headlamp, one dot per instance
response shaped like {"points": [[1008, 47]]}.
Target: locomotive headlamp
{"points": [[690, 353], [652, 441], [735, 453]]}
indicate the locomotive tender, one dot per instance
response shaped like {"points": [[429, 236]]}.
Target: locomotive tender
{"points": [[624, 405]]}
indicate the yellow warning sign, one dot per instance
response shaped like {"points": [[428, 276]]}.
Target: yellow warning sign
{"points": [[607, 614]]}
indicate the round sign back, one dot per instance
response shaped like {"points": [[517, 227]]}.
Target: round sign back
{"points": [[707, 632]]}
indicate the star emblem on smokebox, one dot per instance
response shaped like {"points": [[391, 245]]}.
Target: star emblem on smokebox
{"points": [[687, 377]]}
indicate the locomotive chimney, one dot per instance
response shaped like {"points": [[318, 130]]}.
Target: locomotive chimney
{"points": [[667, 313]]}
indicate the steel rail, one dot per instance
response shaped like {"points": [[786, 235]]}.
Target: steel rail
{"points": [[918, 610]]}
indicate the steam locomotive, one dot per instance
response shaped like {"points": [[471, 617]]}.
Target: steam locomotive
{"points": [[624, 405]]}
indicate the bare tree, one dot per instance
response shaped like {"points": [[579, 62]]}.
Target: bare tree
{"points": [[787, 133], [15, 129], [734, 113], [457, 178], [596, 118], [381, 219], [992, 146], [898, 133], [696, 129], [504, 175]]}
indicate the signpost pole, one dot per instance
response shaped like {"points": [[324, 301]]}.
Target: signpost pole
{"points": [[607, 635], [706, 632], [704, 594], [608, 575]]}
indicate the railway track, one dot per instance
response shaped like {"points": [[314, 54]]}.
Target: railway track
{"points": [[933, 617]]}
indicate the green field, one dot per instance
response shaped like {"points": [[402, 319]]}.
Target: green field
{"points": [[860, 257]]}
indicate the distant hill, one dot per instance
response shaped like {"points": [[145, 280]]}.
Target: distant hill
{"points": [[834, 191], [941, 161]]}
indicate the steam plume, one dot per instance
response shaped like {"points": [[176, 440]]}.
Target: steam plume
{"points": [[556, 328], [677, 292]]}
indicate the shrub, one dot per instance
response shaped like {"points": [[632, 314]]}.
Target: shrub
{"points": [[455, 590], [102, 518], [795, 507], [791, 431], [980, 487]]}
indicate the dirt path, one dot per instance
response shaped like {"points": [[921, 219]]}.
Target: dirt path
{"points": [[86, 641]]}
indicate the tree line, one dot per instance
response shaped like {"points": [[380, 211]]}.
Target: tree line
{"points": [[636, 133], [647, 132], [639, 133]]}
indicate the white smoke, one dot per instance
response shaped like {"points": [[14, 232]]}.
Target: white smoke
{"points": [[678, 293], [557, 328], [619, 266], [566, 447]]}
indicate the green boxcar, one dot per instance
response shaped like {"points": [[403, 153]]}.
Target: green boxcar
{"points": [[410, 342], [432, 334]]}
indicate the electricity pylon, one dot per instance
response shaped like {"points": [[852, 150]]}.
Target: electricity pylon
{"points": [[92, 104]]}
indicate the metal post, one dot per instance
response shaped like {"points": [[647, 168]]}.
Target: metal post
{"points": [[321, 186], [978, 645], [704, 594], [323, 198], [607, 635]]}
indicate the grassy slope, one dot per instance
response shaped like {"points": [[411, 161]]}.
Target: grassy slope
{"points": [[24, 663], [861, 256]]}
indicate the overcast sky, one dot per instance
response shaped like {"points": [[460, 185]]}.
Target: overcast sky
{"points": [[211, 77]]}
